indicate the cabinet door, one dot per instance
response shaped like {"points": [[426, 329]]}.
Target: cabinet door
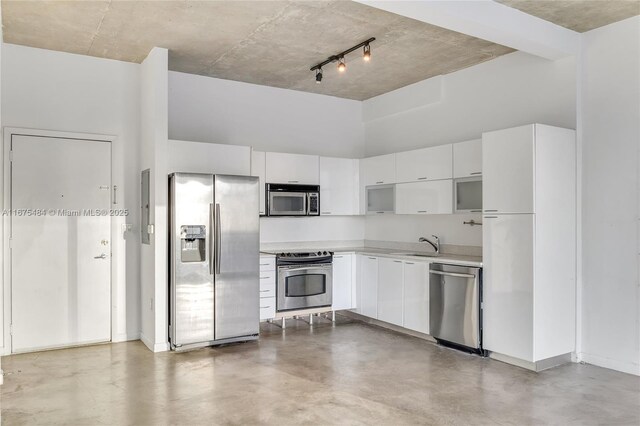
{"points": [[201, 157], [379, 170], [467, 158], [368, 286], [416, 296], [339, 179], [425, 197], [390, 291], [292, 168], [433, 163], [507, 167], [258, 168], [507, 248], [342, 284]]}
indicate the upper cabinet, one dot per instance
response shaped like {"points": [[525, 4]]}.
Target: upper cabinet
{"points": [[339, 186], [258, 168], [201, 157], [378, 170], [292, 168], [424, 197], [432, 163], [467, 158], [508, 164]]}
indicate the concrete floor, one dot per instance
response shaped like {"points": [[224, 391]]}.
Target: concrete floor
{"points": [[350, 373]]}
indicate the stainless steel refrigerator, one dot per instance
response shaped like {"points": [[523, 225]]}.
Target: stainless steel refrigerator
{"points": [[214, 259]]}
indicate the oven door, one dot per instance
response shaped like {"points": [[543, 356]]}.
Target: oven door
{"points": [[301, 287], [282, 203]]}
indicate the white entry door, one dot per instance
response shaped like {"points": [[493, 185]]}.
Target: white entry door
{"points": [[61, 249]]}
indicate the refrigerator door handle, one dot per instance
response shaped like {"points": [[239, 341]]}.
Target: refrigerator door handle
{"points": [[212, 237], [218, 242]]}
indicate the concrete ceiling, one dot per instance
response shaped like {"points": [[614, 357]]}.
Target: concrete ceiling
{"points": [[578, 15], [271, 43]]}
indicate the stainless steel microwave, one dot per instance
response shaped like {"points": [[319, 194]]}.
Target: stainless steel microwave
{"points": [[292, 200]]}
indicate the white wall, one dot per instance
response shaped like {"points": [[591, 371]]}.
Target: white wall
{"points": [[153, 156], [508, 91], [212, 110], [610, 103], [300, 229], [208, 109], [408, 228], [49, 90], [511, 90]]}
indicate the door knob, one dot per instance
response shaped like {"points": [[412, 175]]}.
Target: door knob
{"points": [[102, 256]]}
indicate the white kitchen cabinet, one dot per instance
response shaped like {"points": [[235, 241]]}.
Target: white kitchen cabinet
{"points": [[507, 166], [530, 258], [467, 158], [292, 168], [390, 284], [368, 286], [378, 170], [200, 157], [433, 197], [258, 169], [342, 279], [339, 185], [416, 296], [381, 199], [432, 163], [508, 284], [267, 287]]}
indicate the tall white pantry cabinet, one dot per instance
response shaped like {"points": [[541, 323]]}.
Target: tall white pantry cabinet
{"points": [[529, 243]]}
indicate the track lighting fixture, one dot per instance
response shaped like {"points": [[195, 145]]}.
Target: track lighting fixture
{"points": [[340, 58]]}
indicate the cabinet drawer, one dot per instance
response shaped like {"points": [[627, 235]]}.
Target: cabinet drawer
{"points": [[267, 289], [267, 264], [267, 308]]}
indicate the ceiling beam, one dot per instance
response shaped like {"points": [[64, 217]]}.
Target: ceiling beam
{"points": [[489, 21]]}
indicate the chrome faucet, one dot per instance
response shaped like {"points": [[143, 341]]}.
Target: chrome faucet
{"points": [[436, 245]]}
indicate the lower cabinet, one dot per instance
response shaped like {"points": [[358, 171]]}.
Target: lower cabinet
{"points": [[343, 271], [394, 291], [390, 283], [267, 287], [416, 296], [368, 286]]}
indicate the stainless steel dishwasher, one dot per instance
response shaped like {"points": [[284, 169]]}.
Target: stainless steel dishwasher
{"points": [[455, 306]]}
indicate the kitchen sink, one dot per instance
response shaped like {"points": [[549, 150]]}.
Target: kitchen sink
{"points": [[416, 254]]}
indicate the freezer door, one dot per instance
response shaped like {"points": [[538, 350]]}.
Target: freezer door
{"points": [[190, 280], [236, 256]]}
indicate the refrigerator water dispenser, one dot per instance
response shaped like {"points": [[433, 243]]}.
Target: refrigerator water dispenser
{"points": [[192, 243]]}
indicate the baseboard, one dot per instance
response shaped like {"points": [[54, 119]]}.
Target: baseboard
{"points": [[154, 347], [537, 366], [125, 337], [612, 364], [382, 324]]}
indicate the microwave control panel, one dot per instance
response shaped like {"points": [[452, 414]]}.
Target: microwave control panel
{"points": [[314, 201]]}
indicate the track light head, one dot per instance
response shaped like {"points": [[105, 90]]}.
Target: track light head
{"points": [[342, 67], [319, 75], [367, 53]]}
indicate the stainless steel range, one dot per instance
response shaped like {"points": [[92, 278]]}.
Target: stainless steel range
{"points": [[304, 280]]}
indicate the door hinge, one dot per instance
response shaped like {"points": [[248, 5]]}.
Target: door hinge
{"points": [[11, 329], [10, 243], [11, 156]]}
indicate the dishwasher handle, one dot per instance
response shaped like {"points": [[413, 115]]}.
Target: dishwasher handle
{"points": [[453, 274]]}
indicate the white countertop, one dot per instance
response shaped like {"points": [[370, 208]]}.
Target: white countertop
{"points": [[475, 261]]}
